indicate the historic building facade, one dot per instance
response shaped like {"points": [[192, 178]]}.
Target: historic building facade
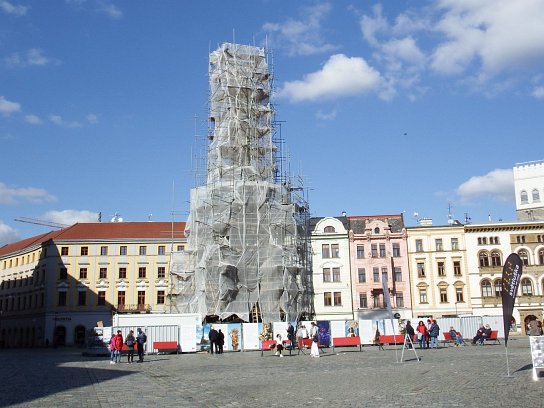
{"points": [[529, 187], [55, 287], [379, 251], [331, 268], [438, 271]]}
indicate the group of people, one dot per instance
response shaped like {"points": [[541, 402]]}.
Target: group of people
{"points": [[117, 343], [217, 340], [483, 333], [301, 335], [427, 335]]}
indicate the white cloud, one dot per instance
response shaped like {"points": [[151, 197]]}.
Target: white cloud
{"points": [[8, 108], [12, 195], [538, 92], [59, 121], [320, 115], [499, 184], [8, 235], [301, 37], [31, 57], [33, 120], [109, 9], [92, 119], [10, 8], [70, 217], [340, 76]]}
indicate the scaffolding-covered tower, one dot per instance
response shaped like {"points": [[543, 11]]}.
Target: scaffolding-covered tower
{"points": [[248, 252]]}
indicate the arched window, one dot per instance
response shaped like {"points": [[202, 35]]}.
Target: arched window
{"points": [[498, 287], [329, 229], [486, 289], [524, 257], [376, 230], [524, 197], [526, 287], [496, 258], [541, 257], [536, 196], [484, 259]]}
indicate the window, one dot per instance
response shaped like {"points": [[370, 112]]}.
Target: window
{"points": [[326, 274], [524, 257], [329, 229], [325, 251], [378, 304], [524, 197], [122, 273], [459, 295], [121, 298], [161, 272], [397, 274], [103, 273], [327, 299], [520, 239], [82, 273], [438, 243], [362, 275], [81, 298], [103, 250], [142, 271], [399, 298], [422, 295], [376, 230], [161, 250], [526, 287], [376, 274], [62, 298], [180, 248], [484, 260], [457, 268], [498, 287], [141, 299], [160, 297], [420, 270], [382, 250], [541, 257], [536, 196], [143, 250], [454, 244], [494, 240], [419, 245], [64, 251], [101, 300], [486, 289], [440, 268], [384, 274], [495, 258], [360, 251], [335, 251], [84, 251], [443, 295], [63, 273], [337, 298], [374, 250], [363, 301], [336, 274], [122, 250], [396, 250]]}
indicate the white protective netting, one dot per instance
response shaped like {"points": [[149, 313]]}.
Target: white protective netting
{"points": [[245, 249]]}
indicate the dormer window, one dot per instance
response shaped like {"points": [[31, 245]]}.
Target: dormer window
{"points": [[329, 229], [376, 230]]}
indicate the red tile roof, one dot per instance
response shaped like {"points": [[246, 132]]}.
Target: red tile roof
{"points": [[102, 231]]}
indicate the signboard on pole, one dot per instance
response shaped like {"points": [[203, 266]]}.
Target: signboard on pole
{"points": [[511, 275]]}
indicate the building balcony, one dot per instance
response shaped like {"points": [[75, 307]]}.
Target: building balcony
{"points": [[141, 308], [497, 300], [490, 270]]}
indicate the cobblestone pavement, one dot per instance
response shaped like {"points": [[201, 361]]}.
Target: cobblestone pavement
{"points": [[448, 377]]}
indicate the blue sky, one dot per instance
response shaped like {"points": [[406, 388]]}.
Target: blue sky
{"points": [[387, 107]]}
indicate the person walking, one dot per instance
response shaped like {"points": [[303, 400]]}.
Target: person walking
{"points": [[118, 345], [433, 334], [421, 334], [112, 349], [130, 341], [314, 334], [220, 341], [212, 336], [141, 339]]}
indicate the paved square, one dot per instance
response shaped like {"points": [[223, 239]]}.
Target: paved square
{"points": [[449, 377]]}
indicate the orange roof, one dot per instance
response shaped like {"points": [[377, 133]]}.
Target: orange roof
{"points": [[102, 231]]}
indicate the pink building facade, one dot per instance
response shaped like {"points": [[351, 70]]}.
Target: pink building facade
{"points": [[378, 248]]}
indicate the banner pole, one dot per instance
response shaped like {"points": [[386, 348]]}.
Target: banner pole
{"points": [[507, 364]]}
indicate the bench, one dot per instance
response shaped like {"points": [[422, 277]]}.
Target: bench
{"points": [[267, 345], [346, 341], [494, 336], [449, 340], [166, 346], [392, 339]]}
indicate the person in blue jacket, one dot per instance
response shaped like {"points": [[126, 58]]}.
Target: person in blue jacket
{"points": [[434, 331]]}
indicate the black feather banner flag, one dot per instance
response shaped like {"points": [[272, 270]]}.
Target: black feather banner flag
{"points": [[511, 275]]}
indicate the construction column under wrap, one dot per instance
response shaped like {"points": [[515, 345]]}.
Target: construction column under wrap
{"points": [[247, 252]]}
